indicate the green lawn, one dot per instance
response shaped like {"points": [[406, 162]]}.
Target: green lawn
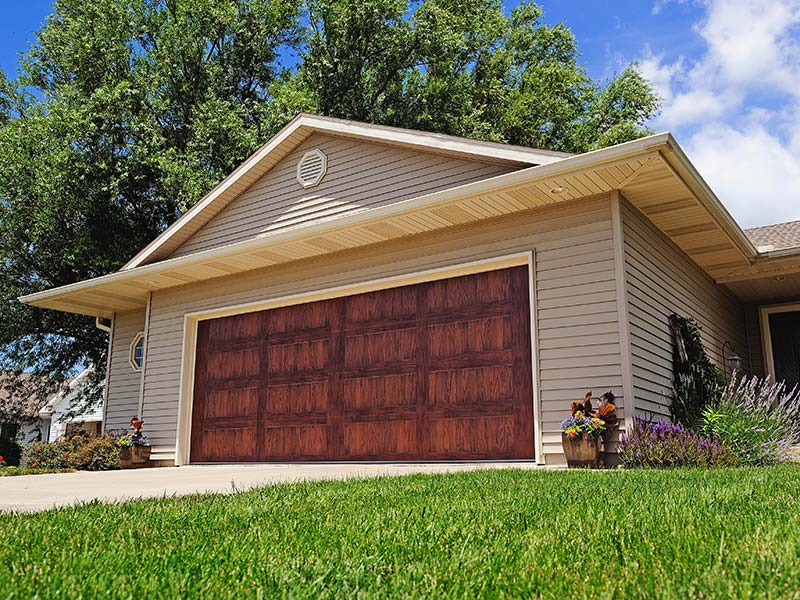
{"points": [[624, 534]]}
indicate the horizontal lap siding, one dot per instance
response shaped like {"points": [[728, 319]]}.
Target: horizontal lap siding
{"points": [[578, 323], [360, 175], [662, 280], [576, 297], [123, 381]]}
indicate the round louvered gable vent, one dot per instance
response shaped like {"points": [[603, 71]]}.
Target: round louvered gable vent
{"points": [[311, 168]]}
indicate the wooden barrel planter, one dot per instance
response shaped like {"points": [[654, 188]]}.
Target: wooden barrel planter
{"points": [[582, 452], [134, 457]]}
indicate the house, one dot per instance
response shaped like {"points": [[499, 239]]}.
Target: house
{"points": [[360, 292], [66, 412], [63, 412], [19, 410]]}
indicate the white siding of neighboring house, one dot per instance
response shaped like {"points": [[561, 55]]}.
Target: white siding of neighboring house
{"points": [[58, 422], [123, 381], [661, 280], [360, 175], [576, 307]]}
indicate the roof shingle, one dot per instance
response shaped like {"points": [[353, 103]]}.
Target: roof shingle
{"points": [[780, 235]]}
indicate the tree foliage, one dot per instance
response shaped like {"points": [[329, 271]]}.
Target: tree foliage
{"points": [[125, 112]]}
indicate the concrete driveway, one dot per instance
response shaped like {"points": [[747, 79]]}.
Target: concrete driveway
{"points": [[32, 493]]}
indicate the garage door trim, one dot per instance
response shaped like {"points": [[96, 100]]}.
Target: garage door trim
{"points": [[191, 320]]}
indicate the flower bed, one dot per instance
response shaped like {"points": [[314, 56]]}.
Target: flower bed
{"points": [[661, 444]]}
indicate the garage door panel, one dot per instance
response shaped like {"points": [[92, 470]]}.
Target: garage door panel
{"points": [[477, 335], [242, 402], [239, 327], [298, 398], [226, 365], [473, 385], [460, 292], [380, 440], [302, 356], [300, 317], [384, 305], [380, 391], [473, 437], [225, 445], [384, 347], [439, 370], [296, 443]]}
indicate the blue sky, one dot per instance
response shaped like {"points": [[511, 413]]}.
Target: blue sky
{"points": [[728, 71]]}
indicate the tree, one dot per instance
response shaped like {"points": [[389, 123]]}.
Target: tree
{"points": [[127, 111], [465, 68]]}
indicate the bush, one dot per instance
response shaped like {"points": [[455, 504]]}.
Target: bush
{"points": [[661, 444], [758, 419], [696, 381], [80, 451], [10, 450]]}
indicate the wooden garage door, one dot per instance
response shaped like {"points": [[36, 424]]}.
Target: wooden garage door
{"points": [[439, 370]]}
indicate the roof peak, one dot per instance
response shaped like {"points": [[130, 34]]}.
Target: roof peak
{"points": [[298, 130]]}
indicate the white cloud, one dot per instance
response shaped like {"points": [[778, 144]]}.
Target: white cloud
{"points": [[697, 105], [734, 106], [755, 175], [750, 44]]}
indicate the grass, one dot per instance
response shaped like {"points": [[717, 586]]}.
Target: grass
{"points": [[13, 471], [728, 533]]}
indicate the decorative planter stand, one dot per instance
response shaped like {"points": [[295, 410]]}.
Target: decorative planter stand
{"points": [[134, 457], [581, 452]]}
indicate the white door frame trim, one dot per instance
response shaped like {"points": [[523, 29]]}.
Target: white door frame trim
{"points": [[191, 320], [766, 338]]}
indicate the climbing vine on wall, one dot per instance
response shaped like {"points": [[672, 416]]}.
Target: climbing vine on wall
{"points": [[696, 381]]}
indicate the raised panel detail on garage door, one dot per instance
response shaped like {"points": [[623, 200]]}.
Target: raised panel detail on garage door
{"points": [[433, 371]]}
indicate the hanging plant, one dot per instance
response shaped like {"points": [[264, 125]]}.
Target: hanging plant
{"points": [[696, 380]]}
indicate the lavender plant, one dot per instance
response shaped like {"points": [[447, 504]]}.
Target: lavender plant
{"points": [[662, 444], [757, 418]]}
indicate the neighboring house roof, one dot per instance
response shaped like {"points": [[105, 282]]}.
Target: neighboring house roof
{"points": [[62, 402], [27, 408], [780, 236], [299, 129]]}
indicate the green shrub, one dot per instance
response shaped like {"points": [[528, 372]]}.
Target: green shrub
{"points": [[758, 419], [80, 451], [696, 381], [10, 448], [661, 444]]}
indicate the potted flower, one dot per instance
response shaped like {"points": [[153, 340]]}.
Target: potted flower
{"points": [[134, 448], [583, 430]]}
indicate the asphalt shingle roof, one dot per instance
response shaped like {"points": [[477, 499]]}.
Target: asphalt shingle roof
{"points": [[780, 235]]}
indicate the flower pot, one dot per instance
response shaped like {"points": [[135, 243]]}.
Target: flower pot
{"points": [[581, 452], [134, 457]]}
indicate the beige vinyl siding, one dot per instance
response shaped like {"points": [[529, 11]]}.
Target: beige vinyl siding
{"points": [[123, 381], [575, 303], [360, 175], [661, 280]]}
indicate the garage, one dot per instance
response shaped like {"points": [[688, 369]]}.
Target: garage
{"points": [[439, 370]]}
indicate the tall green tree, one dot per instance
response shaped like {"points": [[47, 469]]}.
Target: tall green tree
{"points": [[464, 67], [126, 112]]}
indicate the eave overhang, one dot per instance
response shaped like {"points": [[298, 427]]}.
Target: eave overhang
{"points": [[652, 173]]}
